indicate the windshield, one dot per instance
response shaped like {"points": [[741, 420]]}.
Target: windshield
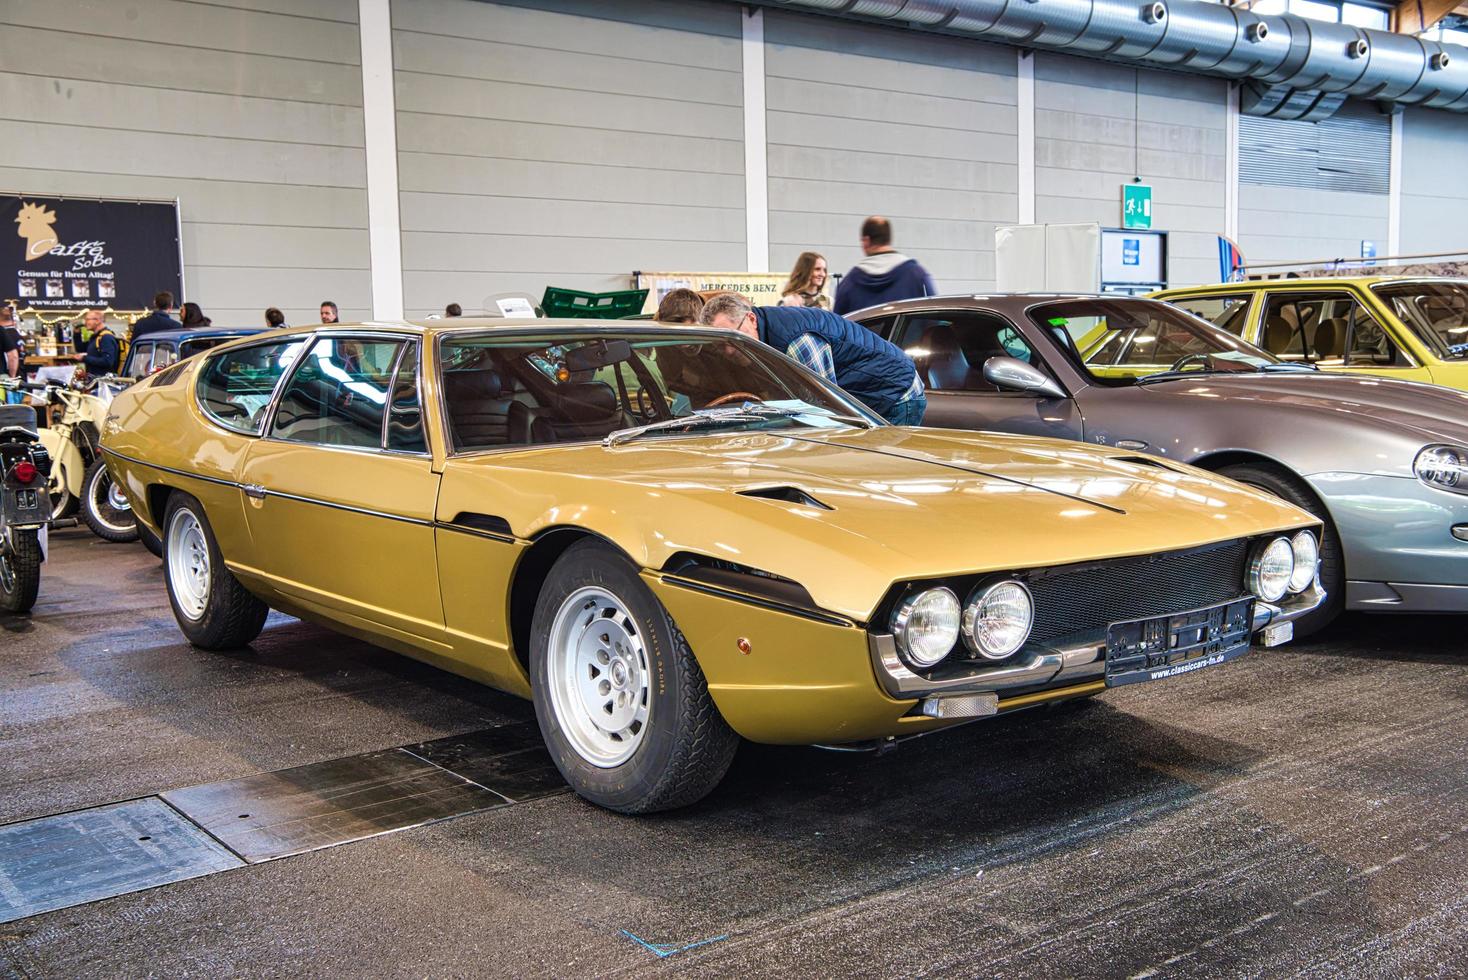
{"points": [[1117, 341], [528, 391], [1437, 312]]}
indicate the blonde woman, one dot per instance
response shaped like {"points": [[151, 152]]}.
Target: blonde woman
{"points": [[807, 283]]}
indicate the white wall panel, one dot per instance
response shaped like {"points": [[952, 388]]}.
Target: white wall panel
{"points": [[868, 120], [249, 112], [1097, 126], [566, 143], [1434, 188]]}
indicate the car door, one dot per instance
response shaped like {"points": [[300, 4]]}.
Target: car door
{"points": [[949, 348], [1332, 329], [340, 492]]}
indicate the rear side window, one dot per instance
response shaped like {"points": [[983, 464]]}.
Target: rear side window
{"points": [[1327, 328], [1226, 312], [338, 396], [234, 388]]}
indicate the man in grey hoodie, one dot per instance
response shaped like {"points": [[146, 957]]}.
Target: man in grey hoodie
{"points": [[884, 276]]}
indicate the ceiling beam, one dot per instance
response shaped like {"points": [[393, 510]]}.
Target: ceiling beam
{"points": [[1416, 16]]}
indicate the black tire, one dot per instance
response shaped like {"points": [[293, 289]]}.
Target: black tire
{"points": [[107, 522], [150, 540], [1332, 563], [20, 572], [685, 746], [228, 616]]}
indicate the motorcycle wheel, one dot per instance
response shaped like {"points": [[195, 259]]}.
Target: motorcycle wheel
{"points": [[104, 507], [20, 572]]}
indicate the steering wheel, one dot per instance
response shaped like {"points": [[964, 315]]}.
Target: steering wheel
{"points": [[1187, 359], [735, 396]]}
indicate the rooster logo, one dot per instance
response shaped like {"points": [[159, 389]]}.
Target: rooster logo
{"points": [[35, 227]]}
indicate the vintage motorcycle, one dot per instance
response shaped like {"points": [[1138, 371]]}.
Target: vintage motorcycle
{"points": [[79, 477], [24, 508]]}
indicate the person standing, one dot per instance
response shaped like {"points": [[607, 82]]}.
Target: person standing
{"points": [[807, 283], [453, 310], [274, 319], [104, 352], [329, 312], [158, 320], [194, 317], [844, 353], [9, 342], [884, 276]]}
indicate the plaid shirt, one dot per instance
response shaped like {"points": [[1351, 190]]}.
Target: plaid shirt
{"points": [[815, 354]]}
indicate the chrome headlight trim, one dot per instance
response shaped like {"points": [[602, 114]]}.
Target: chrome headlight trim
{"points": [[1442, 466], [1306, 551], [973, 617], [1271, 565], [907, 617]]}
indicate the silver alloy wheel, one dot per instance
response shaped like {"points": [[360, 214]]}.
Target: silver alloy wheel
{"points": [[188, 563], [598, 677]]}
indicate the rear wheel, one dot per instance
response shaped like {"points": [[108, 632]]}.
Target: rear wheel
{"points": [[214, 611], [621, 701], [105, 508], [20, 571], [1332, 563]]}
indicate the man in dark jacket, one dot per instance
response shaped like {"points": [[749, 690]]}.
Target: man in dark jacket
{"points": [[157, 320], [847, 354], [103, 353], [884, 276]]}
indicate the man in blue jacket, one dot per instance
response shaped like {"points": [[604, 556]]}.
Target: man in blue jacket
{"points": [[847, 354], [103, 352], [157, 320], [884, 276]]}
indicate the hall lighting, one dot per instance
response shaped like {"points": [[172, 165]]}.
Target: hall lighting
{"points": [[1444, 467], [1271, 569]]}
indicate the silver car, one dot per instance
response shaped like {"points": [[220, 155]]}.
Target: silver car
{"points": [[1384, 463]]}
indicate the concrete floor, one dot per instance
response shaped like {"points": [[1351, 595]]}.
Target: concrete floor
{"points": [[1301, 812]]}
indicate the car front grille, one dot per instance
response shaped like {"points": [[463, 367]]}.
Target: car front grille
{"points": [[1073, 604]]}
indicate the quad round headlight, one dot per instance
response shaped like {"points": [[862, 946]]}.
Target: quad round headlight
{"points": [[925, 625], [1271, 568], [1307, 560], [997, 619], [1444, 467]]}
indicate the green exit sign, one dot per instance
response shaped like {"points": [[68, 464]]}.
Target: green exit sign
{"points": [[1136, 206]]}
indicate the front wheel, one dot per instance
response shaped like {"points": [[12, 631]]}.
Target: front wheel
{"points": [[20, 571], [621, 701], [1332, 563], [214, 611], [105, 508]]}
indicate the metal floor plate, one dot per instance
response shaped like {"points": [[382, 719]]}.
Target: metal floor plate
{"points": [[71, 858], [511, 760], [292, 811]]}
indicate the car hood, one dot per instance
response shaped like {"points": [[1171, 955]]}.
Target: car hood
{"points": [[1432, 412], [884, 505]]}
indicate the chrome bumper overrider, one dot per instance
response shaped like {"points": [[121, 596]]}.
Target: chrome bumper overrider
{"points": [[1057, 667]]}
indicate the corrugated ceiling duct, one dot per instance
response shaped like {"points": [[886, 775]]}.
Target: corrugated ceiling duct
{"points": [[1295, 68]]}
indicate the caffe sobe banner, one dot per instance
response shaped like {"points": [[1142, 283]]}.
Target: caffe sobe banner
{"points": [[69, 253]]}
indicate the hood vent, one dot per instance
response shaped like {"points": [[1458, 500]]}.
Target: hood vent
{"points": [[789, 495]]}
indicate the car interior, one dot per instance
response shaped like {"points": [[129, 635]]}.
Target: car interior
{"points": [[1326, 328], [950, 350]]}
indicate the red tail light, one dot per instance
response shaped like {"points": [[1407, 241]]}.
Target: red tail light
{"points": [[25, 471]]}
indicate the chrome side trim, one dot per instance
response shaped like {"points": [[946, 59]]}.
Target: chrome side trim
{"points": [[474, 532], [168, 469]]}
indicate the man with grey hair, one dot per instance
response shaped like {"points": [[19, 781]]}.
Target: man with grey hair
{"points": [[844, 353], [103, 353]]}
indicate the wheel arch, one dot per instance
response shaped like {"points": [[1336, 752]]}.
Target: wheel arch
{"points": [[1215, 461], [529, 576]]}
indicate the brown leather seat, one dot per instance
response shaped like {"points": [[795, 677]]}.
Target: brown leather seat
{"points": [[1328, 337], [1278, 332], [478, 408], [948, 368]]}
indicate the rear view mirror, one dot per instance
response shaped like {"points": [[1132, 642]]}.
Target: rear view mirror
{"points": [[1012, 374], [598, 354]]}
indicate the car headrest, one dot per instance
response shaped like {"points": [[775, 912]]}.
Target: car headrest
{"points": [[1328, 334], [473, 385], [947, 365], [591, 401], [1277, 334]]}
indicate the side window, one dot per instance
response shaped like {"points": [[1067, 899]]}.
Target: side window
{"points": [[338, 396], [881, 326], [1229, 313], [163, 355], [950, 349], [138, 359], [234, 388], [1327, 328], [404, 411]]}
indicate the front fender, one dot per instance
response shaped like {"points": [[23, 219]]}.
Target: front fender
{"points": [[68, 467]]}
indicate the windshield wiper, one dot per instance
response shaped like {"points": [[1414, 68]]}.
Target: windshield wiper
{"points": [[704, 417]]}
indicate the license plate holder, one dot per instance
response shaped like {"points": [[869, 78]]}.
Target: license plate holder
{"points": [[1179, 643]]}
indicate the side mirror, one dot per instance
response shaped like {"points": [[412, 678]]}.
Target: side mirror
{"points": [[1012, 374]]}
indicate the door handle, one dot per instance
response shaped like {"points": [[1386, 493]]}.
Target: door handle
{"points": [[1130, 444], [254, 491]]}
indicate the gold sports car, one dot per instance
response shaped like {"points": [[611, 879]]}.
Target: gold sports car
{"points": [[669, 538]]}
